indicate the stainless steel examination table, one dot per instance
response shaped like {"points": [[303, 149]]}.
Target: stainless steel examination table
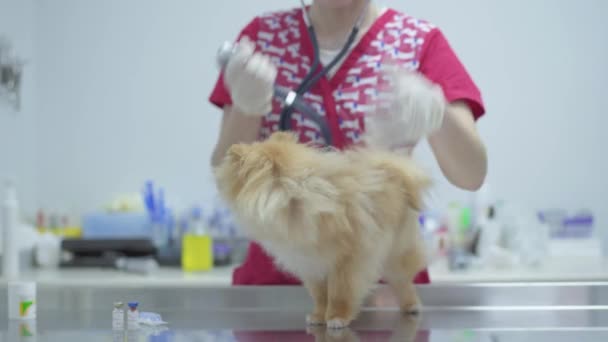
{"points": [[467, 312]]}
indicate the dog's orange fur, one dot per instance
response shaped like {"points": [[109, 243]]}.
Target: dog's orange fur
{"points": [[337, 220]]}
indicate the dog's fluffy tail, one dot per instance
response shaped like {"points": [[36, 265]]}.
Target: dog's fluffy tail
{"points": [[405, 171]]}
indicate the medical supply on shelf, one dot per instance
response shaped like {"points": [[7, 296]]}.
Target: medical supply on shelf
{"points": [[132, 316], [225, 230], [40, 220], [67, 226], [160, 235], [169, 226], [222, 234], [480, 203], [458, 259], [197, 245], [523, 234], [148, 197], [53, 222], [47, 252], [21, 300], [125, 203], [154, 201], [10, 241], [489, 241], [222, 252], [434, 233], [159, 232], [115, 226], [169, 240], [461, 236], [137, 265], [118, 316], [160, 217], [564, 226], [151, 319], [510, 236], [456, 223]]}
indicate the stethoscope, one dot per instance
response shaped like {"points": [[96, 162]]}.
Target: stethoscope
{"points": [[292, 100]]}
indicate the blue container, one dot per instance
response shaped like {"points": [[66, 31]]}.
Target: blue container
{"points": [[116, 225]]}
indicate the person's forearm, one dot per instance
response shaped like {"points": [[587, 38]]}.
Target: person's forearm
{"points": [[236, 128], [458, 148]]}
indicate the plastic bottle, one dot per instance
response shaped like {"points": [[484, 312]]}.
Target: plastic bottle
{"points": [[22, 300], [10, 222], [118, 316], [197, 246]]}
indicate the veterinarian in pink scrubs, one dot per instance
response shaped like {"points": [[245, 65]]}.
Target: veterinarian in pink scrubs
{"points": [[281, 53]]}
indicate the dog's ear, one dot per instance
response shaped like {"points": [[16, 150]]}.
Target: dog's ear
{"points": [[284, 137]]}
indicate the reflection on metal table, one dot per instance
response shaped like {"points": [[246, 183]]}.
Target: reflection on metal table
{"points": [[473, 312]]}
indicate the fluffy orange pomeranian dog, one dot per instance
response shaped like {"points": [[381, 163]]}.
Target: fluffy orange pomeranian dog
{"points": [[339, 221]]}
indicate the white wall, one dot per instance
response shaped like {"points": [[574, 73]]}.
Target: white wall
{"points": [[123, 88], [542, 69], [17, 128]]}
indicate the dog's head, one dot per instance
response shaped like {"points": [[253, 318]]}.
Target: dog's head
{"points": [[260, 179]]}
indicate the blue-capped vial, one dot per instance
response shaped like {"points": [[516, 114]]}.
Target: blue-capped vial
{"points": [[133, 315]]}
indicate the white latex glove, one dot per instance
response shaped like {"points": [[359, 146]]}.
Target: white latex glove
{"points": [[250, 76], [410, 108]]}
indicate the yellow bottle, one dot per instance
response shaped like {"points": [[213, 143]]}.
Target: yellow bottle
{"points": [[197, 245], [197, 252]]}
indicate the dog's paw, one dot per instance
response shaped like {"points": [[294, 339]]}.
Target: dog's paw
{"points": [[337, 323], [313, 319]]}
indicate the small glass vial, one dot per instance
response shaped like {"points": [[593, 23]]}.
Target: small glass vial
{"points": [[133, 316], [118, 316]]}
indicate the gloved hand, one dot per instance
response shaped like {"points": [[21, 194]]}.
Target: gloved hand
{"points": [[410, 108], [250, 76]]}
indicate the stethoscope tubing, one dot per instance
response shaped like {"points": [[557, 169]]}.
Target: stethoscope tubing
{"points": [[292, 100]]}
